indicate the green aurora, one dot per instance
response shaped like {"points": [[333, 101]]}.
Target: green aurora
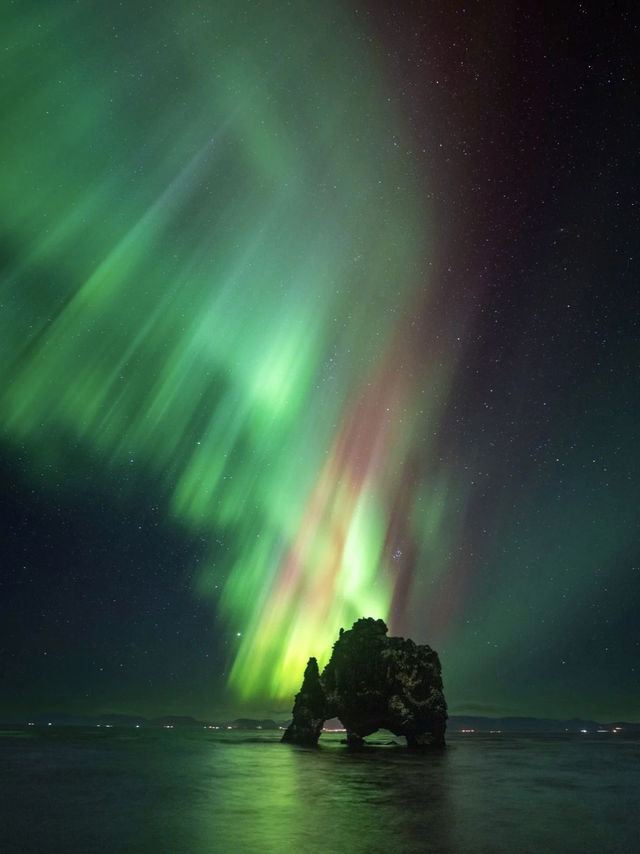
{"points": [[323, 312], [219, 243]]}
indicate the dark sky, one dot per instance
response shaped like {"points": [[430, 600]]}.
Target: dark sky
{"points": [[311, 315]]}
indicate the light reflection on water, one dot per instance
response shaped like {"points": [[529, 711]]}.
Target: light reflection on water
{"points": [[194, 791]]}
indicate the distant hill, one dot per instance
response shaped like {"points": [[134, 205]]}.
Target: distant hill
{"points": [[518, 724], [455, 723], [113, 720], [250, 723], [175, 721]]}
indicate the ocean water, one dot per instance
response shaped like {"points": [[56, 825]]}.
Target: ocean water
{"points": [[181, 791]]}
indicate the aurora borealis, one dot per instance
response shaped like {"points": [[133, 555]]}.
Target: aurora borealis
{"points": [[309, 314]]}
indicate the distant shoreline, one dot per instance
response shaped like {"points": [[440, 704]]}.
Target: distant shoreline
{"points": [[464, 724]]}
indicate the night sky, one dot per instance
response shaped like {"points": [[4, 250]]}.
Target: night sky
{"points": [[312, 312]]}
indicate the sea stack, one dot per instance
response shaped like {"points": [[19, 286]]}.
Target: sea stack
{"points": [[373, 682]]}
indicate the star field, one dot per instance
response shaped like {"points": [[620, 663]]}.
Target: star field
{"points": [[310, 314]]}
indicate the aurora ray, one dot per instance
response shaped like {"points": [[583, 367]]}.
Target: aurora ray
{"points": [[218, 292]]}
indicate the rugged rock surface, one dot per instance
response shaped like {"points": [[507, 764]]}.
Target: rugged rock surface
{"points": [[373, 682], [309, 709]]}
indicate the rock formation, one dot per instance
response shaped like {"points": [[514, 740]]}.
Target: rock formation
{"points": [[373, 682], [309, 709]]}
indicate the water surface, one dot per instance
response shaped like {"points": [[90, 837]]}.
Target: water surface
{"points": [[157, 790]]}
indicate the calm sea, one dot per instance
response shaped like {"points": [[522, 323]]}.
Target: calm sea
{"points": [[182, 791]]}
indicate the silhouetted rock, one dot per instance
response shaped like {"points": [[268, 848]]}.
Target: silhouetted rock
{"points": [[309, 709], [373, 682]]}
